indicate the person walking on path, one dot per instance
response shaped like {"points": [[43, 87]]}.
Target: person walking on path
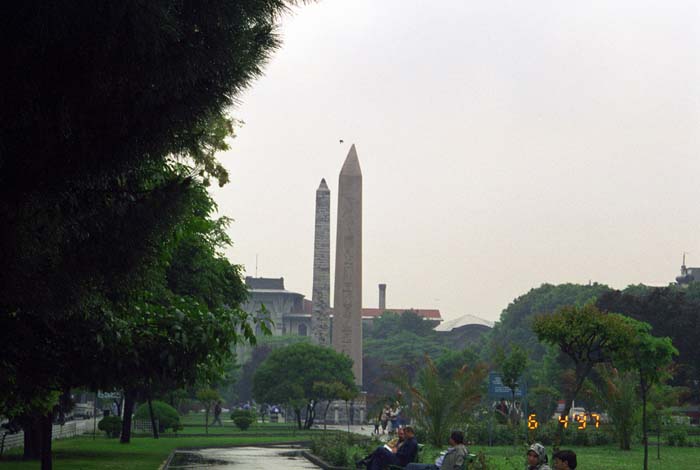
{"points": [[217, 414]]}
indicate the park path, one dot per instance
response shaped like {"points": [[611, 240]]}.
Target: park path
{"points": [[239, 458]]}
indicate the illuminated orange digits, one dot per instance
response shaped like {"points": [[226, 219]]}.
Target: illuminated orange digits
{"points": [[564, 420], [596, 417], [532, 421], [581, 420]]}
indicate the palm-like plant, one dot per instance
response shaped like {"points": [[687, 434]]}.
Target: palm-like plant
{"points": [[441, 404]]}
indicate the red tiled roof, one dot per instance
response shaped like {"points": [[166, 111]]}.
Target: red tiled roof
{"points": [[433, 314]]}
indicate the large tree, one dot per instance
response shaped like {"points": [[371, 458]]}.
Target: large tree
{"points": [[180, 328], [293, 375], [588, 337], [515, 324], [512, 366], [95, 98], [671, 311], [650, 357]]}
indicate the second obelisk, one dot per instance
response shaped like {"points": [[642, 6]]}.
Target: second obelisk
{"points": [[347, 293]]}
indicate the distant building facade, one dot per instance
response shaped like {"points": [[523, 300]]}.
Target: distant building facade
{"points": [[286, 309], [688, 275], [291, 312]]}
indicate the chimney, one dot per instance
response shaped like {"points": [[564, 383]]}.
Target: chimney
{"points": [[382, 297]]}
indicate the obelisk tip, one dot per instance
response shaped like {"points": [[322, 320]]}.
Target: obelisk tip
{"points": [[351, 167]]}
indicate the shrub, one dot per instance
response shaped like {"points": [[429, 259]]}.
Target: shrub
{"points": [[478, 433], [111, 425], [243, 413], [421, 435], [243, 418], [165, 414], [243, 422], [677, 437], [341, 449], [479, 463], [501, 434]]}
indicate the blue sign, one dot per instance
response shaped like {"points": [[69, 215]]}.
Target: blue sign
{"points": [[498, 390]]}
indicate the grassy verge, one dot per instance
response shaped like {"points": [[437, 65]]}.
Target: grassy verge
{"points": [[145, 453], [84, 453], [592, 458]]}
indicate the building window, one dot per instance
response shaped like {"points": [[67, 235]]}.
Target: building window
{"points": [[302, 329]]}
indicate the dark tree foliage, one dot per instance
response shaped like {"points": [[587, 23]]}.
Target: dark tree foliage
{"points": [[292, 375], [397, 341], [671, 311], [99, 102], [90, 86], [515, 324], [263, 347]]}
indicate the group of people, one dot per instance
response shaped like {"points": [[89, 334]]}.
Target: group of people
{"points": [[561, 460], [506, 412], [390, 417], [402, 451]]}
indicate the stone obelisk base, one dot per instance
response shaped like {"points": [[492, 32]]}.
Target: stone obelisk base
{"points": [[341, 412]]}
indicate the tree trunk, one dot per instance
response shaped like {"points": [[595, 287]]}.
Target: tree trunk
{"points": [[206, 420], [658, 440], [297, 413], [118, 404], [645, 439], [129, 399], [325, 414], [46, 428], [310, 415], [581, 374], [153, 418], [32, 437], [562, 422], [625, 440]]}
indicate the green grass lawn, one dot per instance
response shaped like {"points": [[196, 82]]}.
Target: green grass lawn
{"points": [[194, 424], [601, 458], [143, 453]]}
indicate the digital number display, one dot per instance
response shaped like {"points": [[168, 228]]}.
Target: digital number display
{"points": [[581, 420], [532, 422]]}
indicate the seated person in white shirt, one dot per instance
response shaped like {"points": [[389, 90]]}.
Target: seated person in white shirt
{"points": [[451, 459]]}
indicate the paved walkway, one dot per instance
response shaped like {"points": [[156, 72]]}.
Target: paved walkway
{"points": [[239, 458], [365, 430]]}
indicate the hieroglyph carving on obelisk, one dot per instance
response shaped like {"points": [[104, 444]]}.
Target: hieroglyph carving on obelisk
{"points": [[321, 290], [347, 294]]}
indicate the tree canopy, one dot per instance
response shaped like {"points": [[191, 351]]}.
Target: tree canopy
{"points": [[111, 116], [588, 337], [672, 312], [292, 375], [515, 324]]}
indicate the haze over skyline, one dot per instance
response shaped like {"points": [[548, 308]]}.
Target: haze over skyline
{"points": [[503, 145]]}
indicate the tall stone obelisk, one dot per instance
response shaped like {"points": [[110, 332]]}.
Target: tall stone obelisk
{"points": [[321, 290], [347, 294]]}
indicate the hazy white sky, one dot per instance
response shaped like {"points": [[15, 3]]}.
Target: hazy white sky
{"points": [[504, 144]]}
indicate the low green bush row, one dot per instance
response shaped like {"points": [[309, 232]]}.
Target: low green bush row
{"points": [[500, 434], [341, 449]]}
